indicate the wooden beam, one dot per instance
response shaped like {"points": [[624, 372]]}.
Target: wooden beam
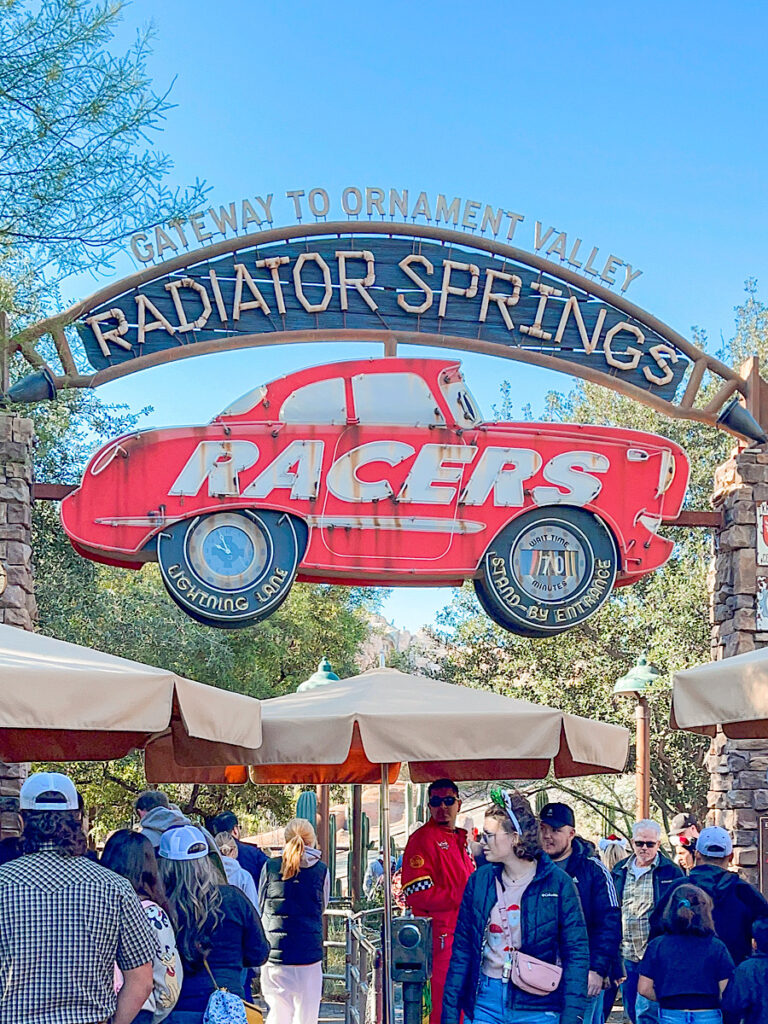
{"points": [[694, 517], [51, 492]]}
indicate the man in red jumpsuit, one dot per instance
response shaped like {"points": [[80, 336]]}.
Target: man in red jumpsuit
{"points": [[436, 866]]}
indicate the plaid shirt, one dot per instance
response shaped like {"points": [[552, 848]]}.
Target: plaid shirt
{"points": [[64, 923], [636, 909]]}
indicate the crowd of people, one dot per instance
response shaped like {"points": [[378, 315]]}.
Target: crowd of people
{"points": [[550, 927], [537, 927], [168, 924]]}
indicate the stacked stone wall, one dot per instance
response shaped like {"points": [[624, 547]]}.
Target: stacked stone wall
{"points": [[738, 795], [17, 600]]}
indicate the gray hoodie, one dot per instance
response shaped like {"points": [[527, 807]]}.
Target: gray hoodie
{"points": [[159, 820]]}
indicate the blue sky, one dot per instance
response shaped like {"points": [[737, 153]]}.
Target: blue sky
{"points": [[639, 130]]}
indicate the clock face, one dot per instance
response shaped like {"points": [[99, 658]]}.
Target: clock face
{"points": [[228, 551]]}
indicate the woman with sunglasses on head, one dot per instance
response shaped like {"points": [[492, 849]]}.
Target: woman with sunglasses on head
{"points": [[686, 969], [436, 866], [520, 951]]}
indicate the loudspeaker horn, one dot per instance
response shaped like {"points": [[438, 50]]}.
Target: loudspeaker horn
{"points": [[738, 420]]}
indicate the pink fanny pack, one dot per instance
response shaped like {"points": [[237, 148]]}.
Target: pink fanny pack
{"points": [[533, 975], [525, 971]]}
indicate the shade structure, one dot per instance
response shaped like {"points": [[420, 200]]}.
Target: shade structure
{"points": [[732, 693], [62, 702], [344, 732], [361, 729]]}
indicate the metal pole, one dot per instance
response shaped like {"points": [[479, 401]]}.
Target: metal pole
{"points": [[323, 819], [386, 950], [642, 773], [355, 874], [4, 361]]}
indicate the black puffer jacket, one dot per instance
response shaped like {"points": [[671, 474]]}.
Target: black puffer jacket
{"points": [[736, 905], [665, 874], [553, 929], [599, 903]]}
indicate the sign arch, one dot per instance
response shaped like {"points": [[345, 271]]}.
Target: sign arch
{"points": [[387, 283]]}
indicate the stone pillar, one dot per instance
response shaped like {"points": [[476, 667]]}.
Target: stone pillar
{"points": [[17, 600], [738, 793]]}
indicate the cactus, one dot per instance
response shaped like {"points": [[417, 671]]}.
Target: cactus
{"points": [[542, 799], [306, 806]]}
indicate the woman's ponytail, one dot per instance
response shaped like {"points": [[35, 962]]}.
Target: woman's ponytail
{"points": [[299, 834]]}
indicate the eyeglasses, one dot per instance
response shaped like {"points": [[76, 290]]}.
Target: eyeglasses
{"points": [[435, 801], [488, 836], [646, 842]]}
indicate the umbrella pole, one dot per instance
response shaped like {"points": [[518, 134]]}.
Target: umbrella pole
{"points": [[386, 952]]}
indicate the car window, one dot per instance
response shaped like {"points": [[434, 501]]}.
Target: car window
{"points": [[246, 402], [321, 402], [397, 399]]}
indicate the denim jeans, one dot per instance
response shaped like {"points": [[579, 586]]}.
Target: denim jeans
{"points": [[639, 1009], [593, 1012], [690, 1016], [491, 1007], [646, 1010], [184, 1017]]}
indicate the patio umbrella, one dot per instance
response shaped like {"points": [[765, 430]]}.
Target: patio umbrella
{"points": [[62, 702], [732, 693], [360, 729]]}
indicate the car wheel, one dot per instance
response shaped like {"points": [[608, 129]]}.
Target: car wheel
{"points": [[231, 569], [547, 571]]}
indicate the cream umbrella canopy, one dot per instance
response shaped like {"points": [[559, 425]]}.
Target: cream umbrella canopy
{"points": [[732, 693], [62, 702], [362, 728], [344, 731]]}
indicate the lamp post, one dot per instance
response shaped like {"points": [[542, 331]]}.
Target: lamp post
{"points": [[322, 677], [634, 684]]}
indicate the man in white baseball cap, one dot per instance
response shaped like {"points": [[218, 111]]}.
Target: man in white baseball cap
{"points": [[737, 904], [66, 921]]}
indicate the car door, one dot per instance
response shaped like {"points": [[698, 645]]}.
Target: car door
{"points": [[397, 471]]}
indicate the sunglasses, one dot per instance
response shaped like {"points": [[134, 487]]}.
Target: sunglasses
{"points": [[488, 836], [436, 801], [646, 842]]}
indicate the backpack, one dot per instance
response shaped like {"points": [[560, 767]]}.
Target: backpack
{"points": [[224, 1008]]}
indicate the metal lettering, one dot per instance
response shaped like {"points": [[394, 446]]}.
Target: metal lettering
{"points": [[492, 473], [429, 472], [344, 483], [572, 471], [218, 462], [298, 466]]}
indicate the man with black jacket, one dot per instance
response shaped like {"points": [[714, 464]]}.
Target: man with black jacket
{"points": [[737, 904], [596, 892]]}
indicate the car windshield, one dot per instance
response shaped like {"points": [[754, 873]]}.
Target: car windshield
{"points": [[461, 402]]}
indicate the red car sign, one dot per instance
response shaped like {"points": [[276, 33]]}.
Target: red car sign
{"points": [[381, 472]]}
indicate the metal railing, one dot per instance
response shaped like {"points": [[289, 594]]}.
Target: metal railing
{"points": [[362, 962]]}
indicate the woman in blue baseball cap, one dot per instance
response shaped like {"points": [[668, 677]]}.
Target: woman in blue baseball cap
{"points": [[219, 932]]}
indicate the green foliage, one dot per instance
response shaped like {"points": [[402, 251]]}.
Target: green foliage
{"points": [[666, 614], [78, 166], [129, 613]]}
